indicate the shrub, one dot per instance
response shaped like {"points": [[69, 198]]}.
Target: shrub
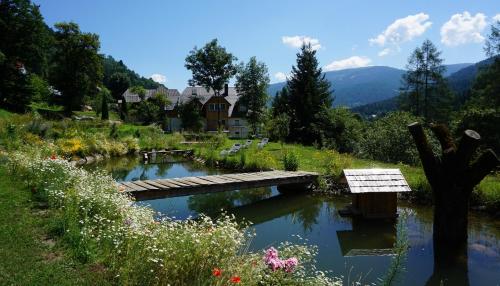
{"points": [[290, 161], [333, 162]]}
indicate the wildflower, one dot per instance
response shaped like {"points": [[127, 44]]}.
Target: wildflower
{"points": [[217, 272], [290, 264], [271, 253], [53, 157], [236, 279]]}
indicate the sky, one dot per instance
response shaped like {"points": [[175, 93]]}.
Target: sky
{"points": [[154, 37]]}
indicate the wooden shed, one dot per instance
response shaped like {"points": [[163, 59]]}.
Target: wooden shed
{"points": [[374, 192]]}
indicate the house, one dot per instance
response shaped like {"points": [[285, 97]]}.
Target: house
{"points": [[224, 110]]}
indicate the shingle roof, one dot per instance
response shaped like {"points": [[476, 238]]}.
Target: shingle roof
{"points": [[189, 93], [203, 95], [134, 97], [375, 181]]}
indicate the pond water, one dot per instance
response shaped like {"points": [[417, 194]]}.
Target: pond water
{"points": [[357, 250]]}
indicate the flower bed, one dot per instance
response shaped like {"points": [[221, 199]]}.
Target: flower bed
{"points": [[104, 225]]}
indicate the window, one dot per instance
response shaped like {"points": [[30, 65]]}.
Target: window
{"points": [[243, 108], [212, 107], [222, 106], [237, 122], [194, 91]]}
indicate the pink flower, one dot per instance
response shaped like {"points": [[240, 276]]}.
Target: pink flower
{"points": [[290, 264], [275, 264], [271, 253]]}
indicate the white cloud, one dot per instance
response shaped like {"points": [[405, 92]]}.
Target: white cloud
{"points": [[384, 52], [463, 28], [159, 78], [298, 41], [496, 17], [281, 76], [352, 62], [403, 30]]}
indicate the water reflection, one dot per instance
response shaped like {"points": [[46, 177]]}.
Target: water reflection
{"points": [[347, 247]]}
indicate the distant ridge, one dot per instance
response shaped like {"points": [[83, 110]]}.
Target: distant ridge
{"points": [[361, 86]]}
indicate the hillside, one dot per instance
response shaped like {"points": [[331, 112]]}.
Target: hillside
{"points": [[360, 86]]}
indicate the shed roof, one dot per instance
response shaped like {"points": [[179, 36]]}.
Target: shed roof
{"points": [[376, 181]]}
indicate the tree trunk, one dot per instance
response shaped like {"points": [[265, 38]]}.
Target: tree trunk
{"points": [[452, 178]]}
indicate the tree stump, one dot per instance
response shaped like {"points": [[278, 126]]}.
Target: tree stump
{"points": [[452, 177]]}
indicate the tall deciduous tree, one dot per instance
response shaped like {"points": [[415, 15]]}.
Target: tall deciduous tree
{"points": [[251, 83], [77, 65], [118, 84], [425, 91], [309, 92], [212, 67], [24, 49]]}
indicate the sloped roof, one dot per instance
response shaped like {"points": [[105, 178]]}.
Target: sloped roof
{"points": [[203, 95], [134, 97], [375, 181]]}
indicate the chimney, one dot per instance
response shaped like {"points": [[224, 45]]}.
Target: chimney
{"points": [[226, 90]]}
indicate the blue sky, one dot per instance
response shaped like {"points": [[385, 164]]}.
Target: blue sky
{"points": [[154, 37]]}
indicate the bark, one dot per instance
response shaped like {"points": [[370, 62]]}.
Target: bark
{"points": [[452, 178]]}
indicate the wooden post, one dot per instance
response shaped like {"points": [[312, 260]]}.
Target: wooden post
{"points": [[452, 178]]}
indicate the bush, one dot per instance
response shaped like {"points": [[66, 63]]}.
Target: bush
{"points": [[290, 161], [388, 140], [333, 163]]}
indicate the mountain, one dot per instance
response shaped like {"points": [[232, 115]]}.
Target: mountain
{"points": [[360, 86], [460, 78]]}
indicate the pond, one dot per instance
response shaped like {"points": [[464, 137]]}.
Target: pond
{"points": [[357, 250]]}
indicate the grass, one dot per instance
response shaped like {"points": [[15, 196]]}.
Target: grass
{"points": [[4, 114], [28, 256]]}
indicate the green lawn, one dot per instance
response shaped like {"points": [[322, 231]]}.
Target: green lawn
{"points": [[312, 159], [28, 256]]}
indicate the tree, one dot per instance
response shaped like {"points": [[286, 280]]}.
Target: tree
{"points": [[24, 49], [280, 102], [309, 92], [104, 95], [452, 177], [251, 83], [279, 127], [212, 68], [77, 65], [190, 115], [425, 91], [492, 47], [118, 84], [482, 110]]}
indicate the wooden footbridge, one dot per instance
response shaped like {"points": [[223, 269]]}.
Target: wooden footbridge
{"points": [[185, 186]]}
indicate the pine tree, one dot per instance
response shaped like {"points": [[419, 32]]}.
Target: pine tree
{"points": [[309, 92], [425, 91]]}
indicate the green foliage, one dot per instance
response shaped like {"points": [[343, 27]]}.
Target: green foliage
{"points": [[116, 74], [425, 92], [251, 83], [41, 89], [486, 122], [77, 65], [212, 66], [332, 163], [280, 102], [309, 92], [338, 128], [190, 115], [290, 161], [492, 47], [104, 95], [278, 127], [387, 139], [118, 84]]}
